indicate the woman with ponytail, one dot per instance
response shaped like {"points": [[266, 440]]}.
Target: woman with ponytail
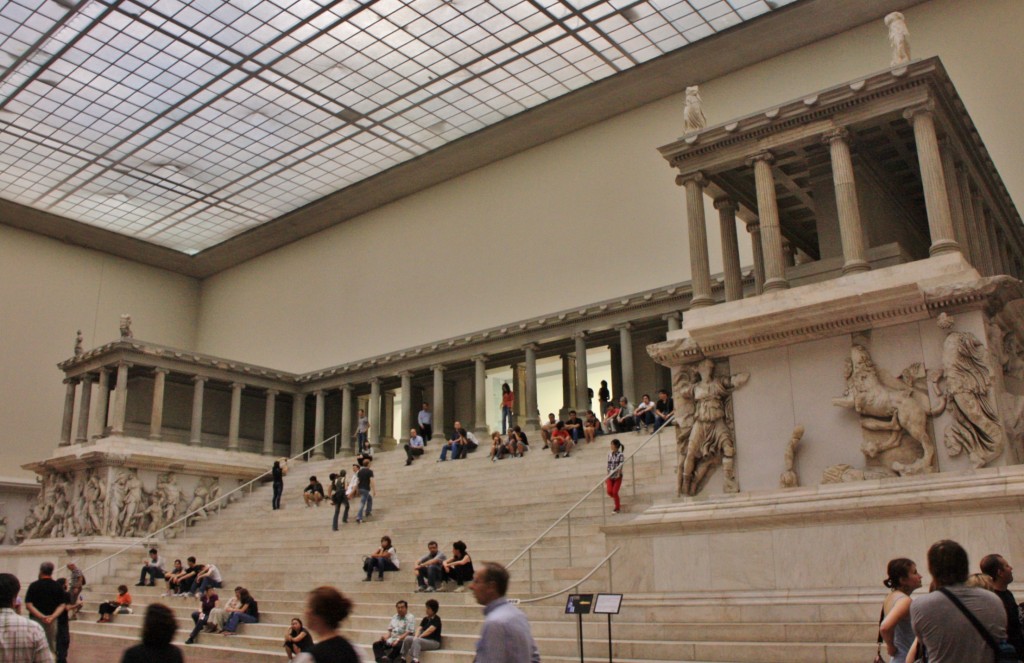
{"points": [[894, 628]]}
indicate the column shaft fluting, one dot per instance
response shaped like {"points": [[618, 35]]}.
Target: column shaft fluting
{"points": [[757, 251], [975, 245], [346, 418], [84, 409], [582, 395], [956, 205], [195, 437], [851, 232], [236, 415], [120, 400], [730, 250], [268, 422], [69, 411], [480, 395], [405, 423], [374, 413], [298, 423], [156, 416], [990, 230], [102, 402], [438, 418], [771, 231], [318, 426], [940, 220], [700, 268], [626, 348], [532, 412]]}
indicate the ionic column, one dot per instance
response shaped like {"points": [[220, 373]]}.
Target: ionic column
{"points": [[318, 426], [700, 268], [757, 250], [102, 402], [480, 395], [406, 414], [532, 412], [940, 220], [673, 320], [374, 413], [851, 232], [156, 417], [120, 399], [268, 422], [771, 231], [582, 396], [975, 246], [69, 411], [346, 417], [990, 229], [568, 393], [298, 423], [730, 249], [984, 236], [956, 204], [236, 415], [438, 419], [195, 437], [84, 404], [626, 349]]}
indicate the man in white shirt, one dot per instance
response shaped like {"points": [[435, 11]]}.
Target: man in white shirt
{"points": [[425, 421], [153, 567], [210, 577], [414, 449]]}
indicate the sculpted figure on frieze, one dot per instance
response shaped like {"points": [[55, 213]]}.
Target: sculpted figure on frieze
{"points": [[899, 38], [94, 495], [711, 440]]}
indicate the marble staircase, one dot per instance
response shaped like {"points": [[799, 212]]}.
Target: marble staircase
{"points": [[497, 509]]}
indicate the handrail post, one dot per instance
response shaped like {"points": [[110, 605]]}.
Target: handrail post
{"points": [[610, 575], [661, 460], [531, 570], [632, 468], [604, 511], [568, 522]]}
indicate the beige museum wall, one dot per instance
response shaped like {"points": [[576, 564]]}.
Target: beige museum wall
{"points": [[47, 291], [592, 215]]}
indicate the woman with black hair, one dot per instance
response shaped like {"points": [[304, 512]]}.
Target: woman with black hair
{"points": [[158, 630], [894, 628], [326, 608]]}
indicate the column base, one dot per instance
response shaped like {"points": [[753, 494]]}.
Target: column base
{"points": [[943, 246], [195, 443], [854, 266], [776, 284], [481, 432], [156, 438], [702, 301], [318, 455], [267, 452]]}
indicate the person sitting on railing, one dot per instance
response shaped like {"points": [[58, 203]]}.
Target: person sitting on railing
{"points": [[121, 604], [591, 426], [643, 415], [297, 639], [430, 569], [248, 612], [201, 617], [383, 559], [575, 427], [313, 493], [389, 647], [427, 637], [624, 421], [613, 482], [172, 578], [663, 409], [561, 442], [208, 577], [153, 567], [460, 567], [547, 428], [611, 413]]}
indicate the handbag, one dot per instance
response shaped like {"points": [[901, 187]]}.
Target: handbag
{"points": [[1003, 652], [878, 650]]}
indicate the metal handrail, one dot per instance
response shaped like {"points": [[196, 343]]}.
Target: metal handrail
{"points": [[607, 559], [528, 550], [221, 499]]}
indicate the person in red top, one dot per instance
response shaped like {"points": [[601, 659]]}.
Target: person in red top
{"points": [[561, 441], [508, 400]]}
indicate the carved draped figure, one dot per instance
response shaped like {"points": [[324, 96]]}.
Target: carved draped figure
{"points": [[710, 431], [975, 429]]}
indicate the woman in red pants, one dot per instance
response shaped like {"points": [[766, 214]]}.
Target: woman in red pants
{"points": [[614, 479]]}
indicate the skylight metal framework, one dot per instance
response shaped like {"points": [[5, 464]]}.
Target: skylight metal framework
{"points": [[186, 123]]}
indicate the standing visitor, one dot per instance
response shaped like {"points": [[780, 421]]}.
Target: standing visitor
{"points": [[45, 601], [158, 630], [508, 401], [339, 495], [367, 491], [425, 423], [362, 432], [23, 640], [506, 636], [613, 480], [894, 627], [278, 472], [326, 608]]}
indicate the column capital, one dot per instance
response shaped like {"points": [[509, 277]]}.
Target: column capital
{"points": [[86, 378], [298, 396], [753, 226], [837, 134], [530, 346], [160, 369], [345, 386], [926, 107], [479, 357], [273, 392], [625, 325], [725, 203], [70, 380], [437, 367], [319, 393], [374, 380], [238, 385], [765, 156], [404, 374], [698, 178], [579, 334], [199, 378], [126, 364], [671, 316]]}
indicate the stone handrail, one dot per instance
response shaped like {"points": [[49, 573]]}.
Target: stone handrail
{"points": [[221, 499], [567, 516]]}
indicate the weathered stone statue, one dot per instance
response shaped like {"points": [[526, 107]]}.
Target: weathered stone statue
{"points": [[117, 495], [133, 504], [79, 339], [967, 392], [682, 379], [887, 404], [789, 478], [201, 496], [711, 438], [94, 495], [899, 38], [170, 497], [126, 326], [3, 529], [693, 111]]}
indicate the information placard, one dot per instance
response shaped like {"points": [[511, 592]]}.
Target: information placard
{"points": [[579, 604], [607, 604]]}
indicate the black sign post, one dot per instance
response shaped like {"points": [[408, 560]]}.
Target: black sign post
{"points": [[608, 604], [579, 605]]}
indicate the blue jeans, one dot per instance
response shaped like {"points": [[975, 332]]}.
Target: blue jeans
{"points": [[360, 441], [365, 503], [382, 564], [432, 574], [275, 503], [506, 419], [206, 582], [454, 448], [337, 508], [232, 624]]}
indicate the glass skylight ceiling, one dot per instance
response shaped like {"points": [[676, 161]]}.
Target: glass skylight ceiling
{"points": [[184, 123]]}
